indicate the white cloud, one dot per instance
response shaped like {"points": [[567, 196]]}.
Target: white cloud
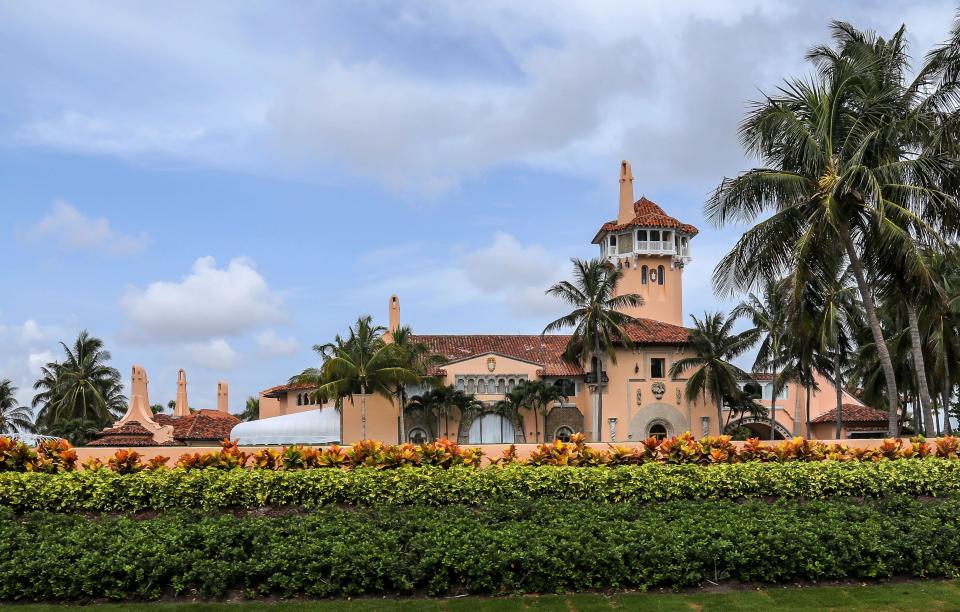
{"points": [[66, 228], [36, 361], [420, 95], [503, 274], [271, 345], [217, 354], [31, 333], [207, 304]]}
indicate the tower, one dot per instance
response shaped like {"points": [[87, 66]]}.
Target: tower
{"points": [[651, 248], [223, 397], [182, 407]]}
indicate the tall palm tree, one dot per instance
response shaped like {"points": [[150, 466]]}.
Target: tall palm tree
{"points": [[841, 165], [598, 321], [13, 416], [362, 363], [771, 319], [418, 358], [82, 386], [715, 346]]}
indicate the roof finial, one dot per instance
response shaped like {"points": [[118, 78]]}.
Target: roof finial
{"points": [[626, 213]]}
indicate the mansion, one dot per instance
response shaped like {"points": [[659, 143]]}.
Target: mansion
{"points": [[639, 397]]}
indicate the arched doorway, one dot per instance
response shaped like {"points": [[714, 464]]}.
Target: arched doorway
{"points": [[758, 428], [671, 420]]}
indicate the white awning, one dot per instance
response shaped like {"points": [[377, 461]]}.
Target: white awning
{"points": [[321, 426]]}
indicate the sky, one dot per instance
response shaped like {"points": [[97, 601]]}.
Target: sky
{"points": [[219, 186]]}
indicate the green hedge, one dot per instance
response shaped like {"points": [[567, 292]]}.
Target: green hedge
{"points": [[103, 490], [541, 546]]}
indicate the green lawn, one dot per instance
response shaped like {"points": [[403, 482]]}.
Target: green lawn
{"points": [[932, 595]]}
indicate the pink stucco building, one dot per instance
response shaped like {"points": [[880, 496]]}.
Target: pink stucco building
{"points": [[640, 398]]}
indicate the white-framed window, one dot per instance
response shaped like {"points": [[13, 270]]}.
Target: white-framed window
{"points": [[768, 392], [481, 387], [563, 434], [491, 428], [643, 275], [658, 431], [460, 385], [612, 245], [471, 386]]}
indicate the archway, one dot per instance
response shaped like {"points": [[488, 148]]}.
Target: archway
{"points": [[671, 420], [760, 428]]}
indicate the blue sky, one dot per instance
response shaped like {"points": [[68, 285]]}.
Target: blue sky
{"points": [[220, 186]]}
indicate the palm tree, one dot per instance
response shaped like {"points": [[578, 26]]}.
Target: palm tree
{"points": [[13, 416], [714, 345], [539, 397], [853, 156], [251, 410], [770, 318], [82, 386], [598, 322], [418, 358], [363, 363]]}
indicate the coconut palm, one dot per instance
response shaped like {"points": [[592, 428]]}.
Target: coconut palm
{"points": [[770, 317], [853, 156], [360, 364], [82, 386], [417, 357], [13, 417], [598, 321], [715, 346]]}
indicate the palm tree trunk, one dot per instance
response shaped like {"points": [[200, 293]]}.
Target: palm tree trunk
{"points": [[773, 401], [363, 411], [598, 374], [719, 414], [403, 424], [945, 394], [809, 385], [838, 383], [883, 353], [920, 368]]}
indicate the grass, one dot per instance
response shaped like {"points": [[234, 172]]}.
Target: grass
{"points": [[916, 595]]}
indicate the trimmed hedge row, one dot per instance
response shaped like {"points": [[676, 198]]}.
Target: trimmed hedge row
{"points": [[162, 489], [542, 546]]}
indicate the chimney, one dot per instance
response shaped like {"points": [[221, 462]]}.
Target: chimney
{"points": [[222, 398], [394, 308], [626, 213], [182, 408]]}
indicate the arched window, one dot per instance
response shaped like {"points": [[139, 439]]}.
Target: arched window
{"points": [[510, 385], [501, 386], [418, 435], [643, 275], [563, 434], [471, 386], [658, 431], [299, 399], [659, 275], [491, 429], [481, 387], [460, 385]]}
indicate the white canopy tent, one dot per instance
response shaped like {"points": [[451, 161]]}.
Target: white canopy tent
{"points": [[321, 426]]}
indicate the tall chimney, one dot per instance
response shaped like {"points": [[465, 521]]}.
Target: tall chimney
{"points": [[222, 397], [394, 315], [626, 213], [182, 408]]}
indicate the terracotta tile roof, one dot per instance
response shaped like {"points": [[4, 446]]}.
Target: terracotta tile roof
{"points": [[210, 425], [543, 350], [648, 214], [649, 331], [287, 387], [853, 413], [131, 433], [757, 376]]}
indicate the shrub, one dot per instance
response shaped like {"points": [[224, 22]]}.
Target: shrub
{"points": [[542, 546], [162, 489]]}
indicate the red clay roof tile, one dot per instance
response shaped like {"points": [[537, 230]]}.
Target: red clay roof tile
{"points": [[853, 413], [648, 214]]}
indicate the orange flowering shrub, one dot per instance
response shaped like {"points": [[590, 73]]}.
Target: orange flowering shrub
{"points": [[58, 456]]}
